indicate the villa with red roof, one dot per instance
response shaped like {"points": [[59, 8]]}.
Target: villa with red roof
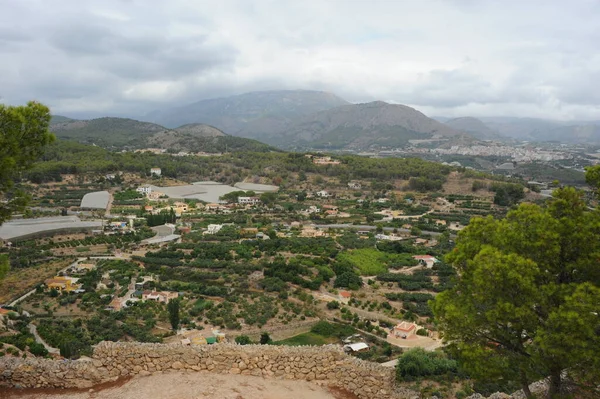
{"points": [[345, 296], [404, 329]]}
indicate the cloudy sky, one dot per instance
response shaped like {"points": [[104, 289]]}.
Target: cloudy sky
{"points": [[451, 57]]}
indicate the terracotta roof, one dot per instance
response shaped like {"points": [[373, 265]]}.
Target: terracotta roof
{"points": [[345, 294], [423, 257], [404, 326]]}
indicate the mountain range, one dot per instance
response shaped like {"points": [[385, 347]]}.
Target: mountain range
{"points": [[123, 133], [374, 125], [252, 114], [474, 127], [303, 119]]}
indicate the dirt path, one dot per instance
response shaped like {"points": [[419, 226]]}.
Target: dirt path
{"points": [[195, 386], [40, 340]]}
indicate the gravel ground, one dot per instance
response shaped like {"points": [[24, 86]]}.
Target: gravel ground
{"points": [[179, 385]]}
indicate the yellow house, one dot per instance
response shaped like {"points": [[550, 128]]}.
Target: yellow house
{"points": [[61, 284], [180, 207]]}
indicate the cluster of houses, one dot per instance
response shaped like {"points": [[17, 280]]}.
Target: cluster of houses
{"points": [[178, 207], [322, 160], [157, 296]]}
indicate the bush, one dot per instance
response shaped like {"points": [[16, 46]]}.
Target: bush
{"points": [[265, 338], [37, 349], [418, 363], [243, 340], [327, 329], [333, 305], [348, 280], [323, 328]]}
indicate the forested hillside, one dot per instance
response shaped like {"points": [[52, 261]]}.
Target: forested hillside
{"points": [[70, 157], [122, 133]]}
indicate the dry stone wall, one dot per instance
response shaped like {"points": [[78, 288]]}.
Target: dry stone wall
{"points": [[326, 364]]}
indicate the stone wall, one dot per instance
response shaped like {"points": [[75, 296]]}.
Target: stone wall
{"points": [[327, 365]]}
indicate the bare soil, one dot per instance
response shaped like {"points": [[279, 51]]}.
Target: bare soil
{"points": [[197, 385]]}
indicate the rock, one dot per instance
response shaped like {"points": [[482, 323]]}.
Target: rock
{"points": [[177, 365]]}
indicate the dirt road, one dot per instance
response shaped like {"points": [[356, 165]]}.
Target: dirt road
{"points": [[196, 386]]}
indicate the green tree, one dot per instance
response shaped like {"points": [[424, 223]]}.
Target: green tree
{"points": [[4, 266], [592, 177], [243, 340], [173, 309], [265, 338], [23, 138], [348, 279], [268, 198], [68, 350], [417, 363], [523, 305]]}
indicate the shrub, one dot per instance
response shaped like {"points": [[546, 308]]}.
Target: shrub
{"points": [[243, 340], [37, 349], [323, 328], [265, 338], [418, 363]]}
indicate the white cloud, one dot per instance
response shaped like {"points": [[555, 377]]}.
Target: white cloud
{"points": [[535, 58]]}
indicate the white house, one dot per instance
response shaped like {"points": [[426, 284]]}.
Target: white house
{"points": [[357, 347], [322, 194], [385, 237], [213, 228], [144, 190], [248, 200], [354, 186], [426, 260], [155, 171]]}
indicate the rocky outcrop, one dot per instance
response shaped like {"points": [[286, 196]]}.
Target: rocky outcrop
{"points": [[327, 365]]}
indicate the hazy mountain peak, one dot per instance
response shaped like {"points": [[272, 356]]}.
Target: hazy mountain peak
{"points": [[375, 124], [250, 114], [472, 126]]}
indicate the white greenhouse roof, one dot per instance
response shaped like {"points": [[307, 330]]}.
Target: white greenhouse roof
{"points": [[96, 200], [24, 228]]}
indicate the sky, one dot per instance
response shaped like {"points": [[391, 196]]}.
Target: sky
{"points": [[446, 58]]}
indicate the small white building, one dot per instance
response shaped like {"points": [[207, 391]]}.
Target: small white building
{"points": [[357, 347], [213, 228], [248, 200], [155, 171], [322, 194], [144, 189], [426, 260], [354, 186], [386, 237]]}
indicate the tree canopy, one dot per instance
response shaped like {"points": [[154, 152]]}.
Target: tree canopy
{"points": [[526, 303], [23, 136]]}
